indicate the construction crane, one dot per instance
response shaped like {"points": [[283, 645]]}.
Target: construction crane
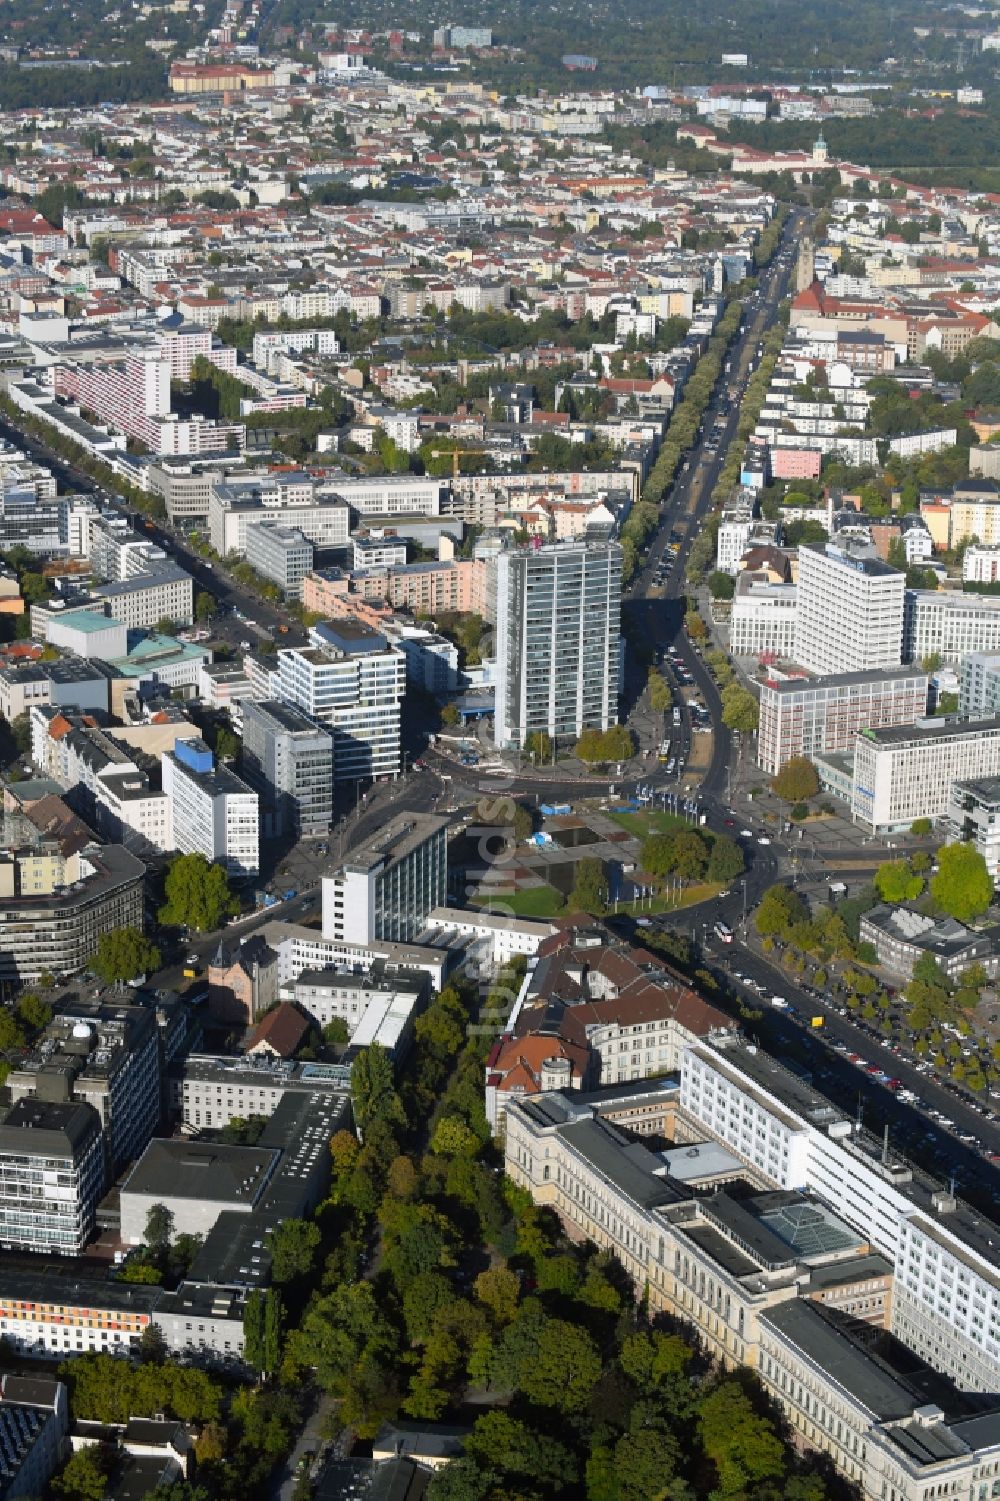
{"points": [[456, 455]]}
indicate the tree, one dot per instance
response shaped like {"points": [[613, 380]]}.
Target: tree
{"points": [[565, 1368], [450, 716], [198, 895], [962, 887], [896, 882], [227, 743], [293, 1245], [721, 585], [538, 743], [740, 709], [660, 695], [690, 856], [590, 887], [920, 826], [498, 1289], [796, 780], [336, 1032], [124, 954], [740, 1442], [373, 1089], [159, 1228], [204, 607], [262, 1321], [780, 909], [85, 1475], [726, 860], [33, 1011], [598, 746]]}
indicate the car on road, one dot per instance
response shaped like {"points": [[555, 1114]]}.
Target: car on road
{"points": [[763, 839], [746, 833]]}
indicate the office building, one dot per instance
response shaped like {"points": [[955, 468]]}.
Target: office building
{"points": [[289, 760], [351, 681], [946, 1290], [70, 681], [816, 716], [972, 814], [945, 623], [55, 929], [51, 1176], [142, 601], [282, 554], [108, 1058], [785, 1281], [905, 772], [88, 635], [387, 887], [763, 618], [979, 685], [557, 640], [288, 500], [212, 812], [850, 611], [198, 1181], [902, 936]]}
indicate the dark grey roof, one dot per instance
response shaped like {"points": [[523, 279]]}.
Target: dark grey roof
{"points": [[48, 1128], [858, 1372], [631, 1167], [178, 1169]]}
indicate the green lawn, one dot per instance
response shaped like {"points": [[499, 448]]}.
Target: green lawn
{"points": [[537, 901], [650, 821]]}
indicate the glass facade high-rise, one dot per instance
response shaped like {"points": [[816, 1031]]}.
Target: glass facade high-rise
{"points": [[558, 640]]}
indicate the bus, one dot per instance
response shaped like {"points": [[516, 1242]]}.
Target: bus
{"points": [[724, 934]]}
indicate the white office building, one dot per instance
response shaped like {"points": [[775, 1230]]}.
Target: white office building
{"points": [[352, 682], [143, 600], [387, 888], [979, 685], [282, 554], [763, 618], [973, 815], [558, 640], [946, 1292], [905, 772], [850, 611], [212, 812], [289, 760], [945, 623]]}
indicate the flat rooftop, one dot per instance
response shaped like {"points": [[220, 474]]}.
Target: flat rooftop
{"points": [[178, 1169]]}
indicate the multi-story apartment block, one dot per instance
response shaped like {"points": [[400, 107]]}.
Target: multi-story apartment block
{"points": [[817, 716], [51, 1176], [133, 396], [280, 553], [289, 760], [144, 599], [102, 781], [70, 681], [55, 930], [558, 640], [381, 548], [945, 623], [979, 685], [974, 513], [351, 681], [981, 565], [905, 772], [212, 812], [107, 1057], [387, 887], [850, 611], [426, 588]]}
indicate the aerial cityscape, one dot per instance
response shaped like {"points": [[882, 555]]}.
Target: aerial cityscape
{"points": [[499, 751]]}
